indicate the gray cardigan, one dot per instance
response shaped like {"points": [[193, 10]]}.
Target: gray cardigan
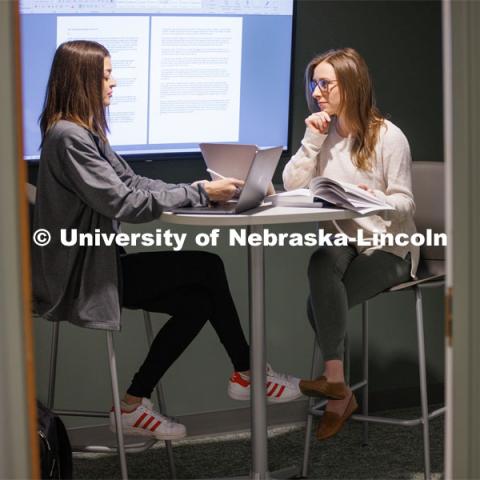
{"points": [[84, 185]]}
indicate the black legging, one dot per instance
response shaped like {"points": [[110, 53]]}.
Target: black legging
{"points": [[192, 287]]}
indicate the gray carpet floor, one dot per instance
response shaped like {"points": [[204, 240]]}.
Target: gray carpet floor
{"points": [[392, 453]]}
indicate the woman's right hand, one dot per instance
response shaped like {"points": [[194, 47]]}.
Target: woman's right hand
{"points": [[222, 190], [318, 122]]}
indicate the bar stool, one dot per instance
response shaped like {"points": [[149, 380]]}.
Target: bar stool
{"points": [[428, 181], [121, 448]]}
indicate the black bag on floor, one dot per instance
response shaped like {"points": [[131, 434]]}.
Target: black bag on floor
{"points": [[55, 449]]}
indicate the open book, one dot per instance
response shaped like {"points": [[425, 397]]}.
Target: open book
{"points": [[325, 192]]}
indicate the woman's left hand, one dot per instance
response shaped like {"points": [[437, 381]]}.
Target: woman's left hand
{"points": [[366, 188]]}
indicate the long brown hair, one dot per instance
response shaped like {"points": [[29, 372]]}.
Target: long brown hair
{"points": [[75, 87], [357, 101]]}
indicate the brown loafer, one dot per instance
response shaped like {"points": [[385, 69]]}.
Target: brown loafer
{"points": [[331, 423], [321, 388]]}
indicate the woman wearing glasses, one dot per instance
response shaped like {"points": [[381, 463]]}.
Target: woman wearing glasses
{"points": [[347, 139]]}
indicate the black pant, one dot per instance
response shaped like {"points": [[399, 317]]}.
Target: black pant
{"points": [[192, 287]]}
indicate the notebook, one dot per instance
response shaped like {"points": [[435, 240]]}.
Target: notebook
{"points": [[259, 176]]}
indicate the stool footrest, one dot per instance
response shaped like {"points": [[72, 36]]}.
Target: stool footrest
{"points": [[81, 413], [136, 448], [398, 421]]}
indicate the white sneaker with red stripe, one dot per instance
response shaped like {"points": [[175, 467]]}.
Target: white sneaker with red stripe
{"points": [[280, 387], [145, 421]]}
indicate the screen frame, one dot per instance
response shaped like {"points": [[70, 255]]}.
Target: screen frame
{"points": [[159, 156]]}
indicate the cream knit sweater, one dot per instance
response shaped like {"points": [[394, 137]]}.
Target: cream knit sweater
{"points": [[390, 179]]}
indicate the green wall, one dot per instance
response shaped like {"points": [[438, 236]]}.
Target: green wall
{"points": [[401, 42]]}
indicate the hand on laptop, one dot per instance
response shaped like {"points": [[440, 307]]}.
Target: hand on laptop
{"points": [[222, 190]]}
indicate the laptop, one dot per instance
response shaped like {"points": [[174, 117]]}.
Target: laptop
{"points": [[259, 176], [229, 159]]}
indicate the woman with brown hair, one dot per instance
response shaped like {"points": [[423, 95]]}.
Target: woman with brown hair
{"points": [[84, 185], [347, 139]]}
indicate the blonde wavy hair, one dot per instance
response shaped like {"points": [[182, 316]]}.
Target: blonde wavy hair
{"points": [[357, 101]]}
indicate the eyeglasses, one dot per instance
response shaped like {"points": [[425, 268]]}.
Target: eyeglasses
{"points": [[323, 84]]}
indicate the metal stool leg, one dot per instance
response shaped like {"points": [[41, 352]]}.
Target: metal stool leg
{"points": [[365, 369], [116, 406], [160, 395], [423, 381], [308, 429], [52, 376], [346, 359]]}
